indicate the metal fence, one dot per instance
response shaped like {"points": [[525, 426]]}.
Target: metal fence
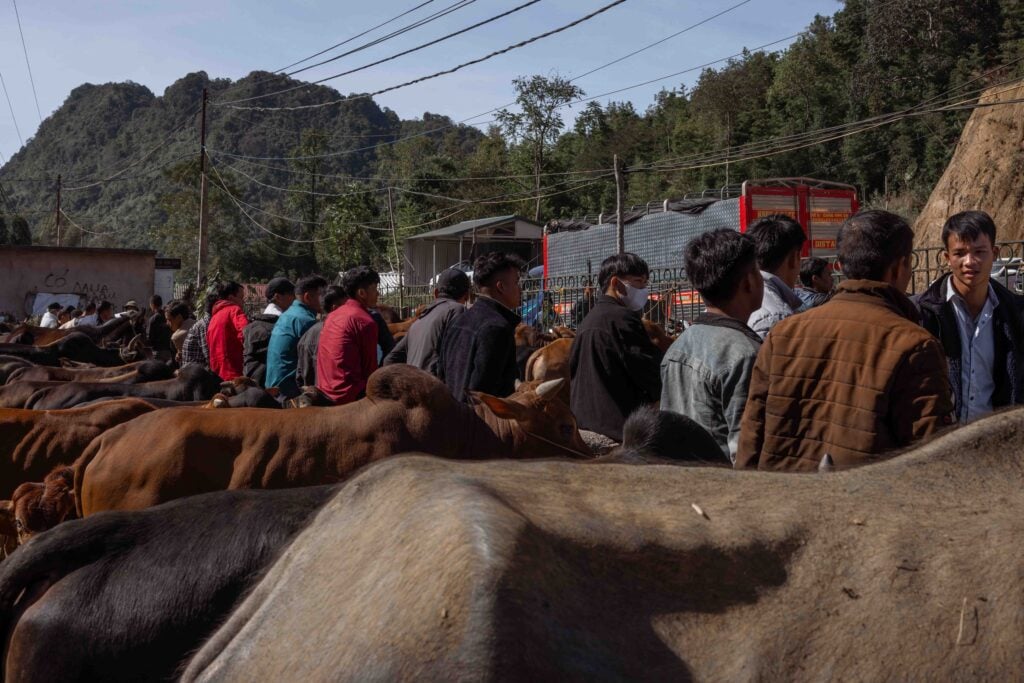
{"points": [[565, 300]]}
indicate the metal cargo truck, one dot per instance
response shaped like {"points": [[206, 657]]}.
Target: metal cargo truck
{"points": [[659, 237]]}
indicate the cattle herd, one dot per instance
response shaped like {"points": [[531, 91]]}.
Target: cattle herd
{"points": [[161, 524]]}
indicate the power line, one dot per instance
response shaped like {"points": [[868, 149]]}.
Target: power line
{"points": [[27, 64], [359, 35], [444, 72], [385, 59], [422, 22], [11, 107]]}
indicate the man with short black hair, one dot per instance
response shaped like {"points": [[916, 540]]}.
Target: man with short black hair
{"points": [[158, 333], [347, 353], [779, 240], [419, 345], [180, 321], [478, 350], [280, 293], [282, 355], [855, 378], [978, 320], [104, 312], [706, 372], [816, 283], [49, 318], [613, 363], [305, 371]]}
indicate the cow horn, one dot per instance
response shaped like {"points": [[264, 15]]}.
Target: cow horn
{"points": [[519, 383], [826, 464], [550, 387]]}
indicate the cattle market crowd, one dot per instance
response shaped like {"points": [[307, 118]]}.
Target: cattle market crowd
{"points": [[795, 364]]}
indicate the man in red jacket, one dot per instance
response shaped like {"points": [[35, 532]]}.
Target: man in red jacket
{"points": [[347, 353], [224, 332]]}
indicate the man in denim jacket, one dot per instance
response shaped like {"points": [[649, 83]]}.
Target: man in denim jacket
{"points": [[706, 372]]}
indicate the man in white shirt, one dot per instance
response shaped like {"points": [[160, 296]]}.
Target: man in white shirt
{"points": [[50, 317], [977, 319], [90, 317]]}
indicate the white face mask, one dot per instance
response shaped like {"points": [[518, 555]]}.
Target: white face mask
{"points": [[635, 297]]}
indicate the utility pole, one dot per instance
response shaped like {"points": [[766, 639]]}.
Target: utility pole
{"points": [[57, 211], [620, 235], [398, 256], [204, 236]]}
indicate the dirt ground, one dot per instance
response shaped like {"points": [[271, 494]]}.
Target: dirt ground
{"points": [[986, 171]]}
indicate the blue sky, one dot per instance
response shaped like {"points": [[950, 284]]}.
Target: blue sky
{"points": [[71, 42]]}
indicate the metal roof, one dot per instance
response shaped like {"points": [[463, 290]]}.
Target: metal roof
{"points": [[469, 226]]}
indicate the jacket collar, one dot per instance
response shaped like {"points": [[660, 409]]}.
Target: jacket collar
{"points": [[883, 292], [441, 301], [501, 308], [775, 283], [936, 295], [716, 320]]}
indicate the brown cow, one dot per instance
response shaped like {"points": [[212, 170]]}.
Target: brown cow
{"points": [[115, 329], [33, 442], [42, 506], [198, 450], [426, 569], [550, 362], [657, 335]]}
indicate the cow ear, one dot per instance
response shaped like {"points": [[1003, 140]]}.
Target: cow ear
{"points": [[509, 410]]}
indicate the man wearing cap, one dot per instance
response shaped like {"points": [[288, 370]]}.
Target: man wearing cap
{"points": [[256, 336], [50, 317], [419, 346], [131, 307]]}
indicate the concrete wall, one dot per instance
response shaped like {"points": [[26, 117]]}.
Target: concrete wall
{"points": [[30, 277]]}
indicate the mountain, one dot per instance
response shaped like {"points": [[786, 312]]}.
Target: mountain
{"points": [[115, 145]]}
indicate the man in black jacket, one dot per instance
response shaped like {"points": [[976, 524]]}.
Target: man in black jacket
{"points": [[978, 321], [256, 335], [615, 367], [478, 350]]}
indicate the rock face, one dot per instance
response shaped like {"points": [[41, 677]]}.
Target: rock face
{"points": [[986, 171]]}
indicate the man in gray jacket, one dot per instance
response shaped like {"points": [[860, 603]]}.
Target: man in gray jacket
{"points": [[419, 346], [779, 240], [706, 372]]}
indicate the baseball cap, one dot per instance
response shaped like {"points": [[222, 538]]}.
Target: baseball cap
{"points": [[453, 278], [279, 285], [53, 306], [131, 304]]}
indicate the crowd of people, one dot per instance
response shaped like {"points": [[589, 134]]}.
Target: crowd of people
{"points": [[784, 369]]}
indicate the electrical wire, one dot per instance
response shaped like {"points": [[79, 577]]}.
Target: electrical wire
{"points": [[444, 72], [27, 64], [11, 106], [403, 53], [355, 37]]}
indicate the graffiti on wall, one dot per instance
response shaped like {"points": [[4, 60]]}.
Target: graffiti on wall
{"points": [[91, 291]]}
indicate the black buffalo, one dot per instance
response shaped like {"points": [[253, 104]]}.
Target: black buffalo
{"points": [[127, 596]]}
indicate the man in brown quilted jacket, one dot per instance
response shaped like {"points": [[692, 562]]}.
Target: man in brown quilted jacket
{"points": [[852, 378]]}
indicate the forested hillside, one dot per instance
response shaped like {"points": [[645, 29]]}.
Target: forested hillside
{"points": [[316, 179]]}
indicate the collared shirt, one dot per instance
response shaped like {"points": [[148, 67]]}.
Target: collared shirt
{"points": [[87, 320], [779, 303], [347, 352], [49, 320], [193, 349], [977, 354], [283, 351]]}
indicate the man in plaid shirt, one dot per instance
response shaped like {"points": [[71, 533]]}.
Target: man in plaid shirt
{"points": [[194, 348]]}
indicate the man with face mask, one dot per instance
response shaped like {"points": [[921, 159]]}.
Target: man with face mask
{"points": [[613, 364]]}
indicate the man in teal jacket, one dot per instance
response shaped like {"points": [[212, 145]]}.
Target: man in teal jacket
{"points": [[283, 353]]}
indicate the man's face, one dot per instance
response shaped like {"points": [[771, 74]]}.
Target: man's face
{"points": [[970, 262], [283, 301], [312, 299], [508, 289], [174, 321], [823, 282], [368, 295], [106, 314]]}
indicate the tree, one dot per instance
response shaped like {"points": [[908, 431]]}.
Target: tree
{"points": [[351, 235], [537, 126], [14, 230]]}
